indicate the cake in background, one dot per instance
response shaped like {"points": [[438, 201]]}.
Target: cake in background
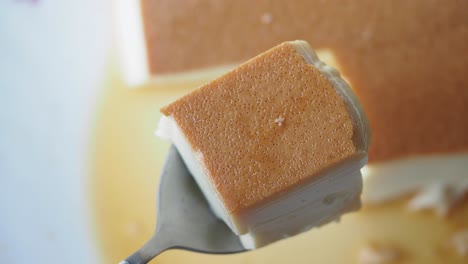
{"points": [[406, 60]]}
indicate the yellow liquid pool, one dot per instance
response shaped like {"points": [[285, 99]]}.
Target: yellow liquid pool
{"points": [[127, 160]]}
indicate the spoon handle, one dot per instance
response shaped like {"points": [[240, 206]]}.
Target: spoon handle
{"points": [[150, 249]]}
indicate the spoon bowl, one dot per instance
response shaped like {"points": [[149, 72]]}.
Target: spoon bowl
{"points": [[185, 220]]}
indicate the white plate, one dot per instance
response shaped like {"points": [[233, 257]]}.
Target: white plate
{"points": [[52, 56]]}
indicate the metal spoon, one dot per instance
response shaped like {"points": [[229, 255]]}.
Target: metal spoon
{"points": [[185, 220]]}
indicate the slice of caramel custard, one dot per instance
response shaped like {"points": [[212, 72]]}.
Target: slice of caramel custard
{"points": [[276, 145]]}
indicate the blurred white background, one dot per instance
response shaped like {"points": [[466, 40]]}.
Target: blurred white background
{"points": [[52, 58]]}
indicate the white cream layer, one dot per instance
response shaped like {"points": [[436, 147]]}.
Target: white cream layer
{"points": [[439, 181], [317, 203], [169, 130], [131, 41]]}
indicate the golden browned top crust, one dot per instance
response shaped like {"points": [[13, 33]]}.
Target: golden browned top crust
{"points": [[265, 127], [406, 60]]}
